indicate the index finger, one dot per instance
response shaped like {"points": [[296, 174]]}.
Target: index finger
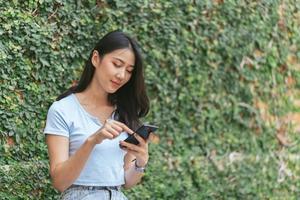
{"points": [[125, 128]]}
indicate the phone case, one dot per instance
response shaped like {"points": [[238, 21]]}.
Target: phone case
{"points": [[144, 131]]}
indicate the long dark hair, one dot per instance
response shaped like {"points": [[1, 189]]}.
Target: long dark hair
{"points": [[131, 99]]}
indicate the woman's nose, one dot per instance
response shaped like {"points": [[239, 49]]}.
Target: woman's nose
{"points": [[121, 73]]}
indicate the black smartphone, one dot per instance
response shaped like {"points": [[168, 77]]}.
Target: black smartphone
{"points": [[144, 131]]}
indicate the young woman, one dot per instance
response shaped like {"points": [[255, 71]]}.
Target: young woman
{"points": [[87, 123]]}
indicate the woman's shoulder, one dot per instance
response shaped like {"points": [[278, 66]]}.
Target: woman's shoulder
{"points": [[65, 104]]}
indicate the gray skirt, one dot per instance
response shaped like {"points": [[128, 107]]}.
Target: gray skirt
{"points": [[80, 192]]}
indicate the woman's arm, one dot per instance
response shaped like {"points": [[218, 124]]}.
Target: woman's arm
{"points": [[132, 177], [64, 170], [138, 154]]}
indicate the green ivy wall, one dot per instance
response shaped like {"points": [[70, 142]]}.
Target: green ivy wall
{"points": [[223, 78]]}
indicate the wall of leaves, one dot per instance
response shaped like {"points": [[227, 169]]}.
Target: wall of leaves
{"points": [[223, 78]]}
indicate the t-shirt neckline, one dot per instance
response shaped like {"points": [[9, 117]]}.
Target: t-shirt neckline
{"points": [[87, 113]]}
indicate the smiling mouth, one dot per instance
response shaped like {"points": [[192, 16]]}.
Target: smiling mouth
{"points": [[115, 83]]}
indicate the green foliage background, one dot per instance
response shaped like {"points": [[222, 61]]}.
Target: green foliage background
{"points": [[222, 76]]}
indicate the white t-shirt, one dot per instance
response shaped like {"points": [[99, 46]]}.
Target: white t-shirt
{"points": [[104, 166]]}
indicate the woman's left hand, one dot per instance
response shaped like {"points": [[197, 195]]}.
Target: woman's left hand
{"points": [[140, 151]]}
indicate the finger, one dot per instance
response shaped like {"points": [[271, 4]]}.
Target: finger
{"points": [[134, 153], [107, 134], [140, 139], [124, 127], [128, 130], [109, 120], [116, 127], [112, 130], [133, 147]]}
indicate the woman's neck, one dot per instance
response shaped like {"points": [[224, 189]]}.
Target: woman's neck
{"points": [[94, 96]]}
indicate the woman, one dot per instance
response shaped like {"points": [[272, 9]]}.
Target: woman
{"points": [[87, 123]]}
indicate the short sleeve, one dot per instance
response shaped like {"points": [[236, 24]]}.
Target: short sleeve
{"points": [[56, 122]]}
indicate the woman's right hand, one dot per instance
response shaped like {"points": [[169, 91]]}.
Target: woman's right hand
{"points": [[110, 130]]}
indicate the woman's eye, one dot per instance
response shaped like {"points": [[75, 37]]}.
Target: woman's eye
{"points": [[129, 71], [117, 65]]}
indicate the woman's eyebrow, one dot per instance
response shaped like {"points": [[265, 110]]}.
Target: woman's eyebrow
{"points": [[123, 61]]}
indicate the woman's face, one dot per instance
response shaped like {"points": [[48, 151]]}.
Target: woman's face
{"points": [[113, 70]]}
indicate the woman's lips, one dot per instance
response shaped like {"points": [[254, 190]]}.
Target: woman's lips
{"points": [[116, 83]]}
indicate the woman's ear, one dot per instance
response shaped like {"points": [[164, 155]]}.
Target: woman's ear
{"points": [[96, 58]]}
